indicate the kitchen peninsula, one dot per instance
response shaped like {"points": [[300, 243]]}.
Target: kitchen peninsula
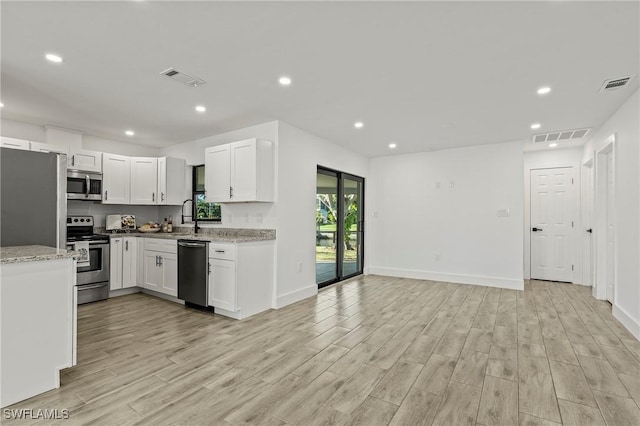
{"points": [[38, 319]]}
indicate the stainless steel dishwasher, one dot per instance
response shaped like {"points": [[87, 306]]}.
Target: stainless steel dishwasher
{"points": [[193, 272]]}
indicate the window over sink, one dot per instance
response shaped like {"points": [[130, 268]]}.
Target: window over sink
{"points": [[210, 212]]}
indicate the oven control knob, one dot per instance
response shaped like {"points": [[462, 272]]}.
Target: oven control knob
{"points": [[81, 220], [75, 220]]}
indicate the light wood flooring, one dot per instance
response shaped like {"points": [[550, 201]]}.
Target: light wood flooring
{"points": [[371, 351]]}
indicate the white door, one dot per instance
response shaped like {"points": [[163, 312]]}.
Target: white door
{"points": [[129, 262], [88, 161], [552, 214], [222, 284], [115, 268], [116, 179], [152, 271], [610, 237], [217, 163], [144, 180], [243, 170]]}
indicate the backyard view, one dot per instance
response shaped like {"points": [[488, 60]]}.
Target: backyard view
{"points": [[337, 231]]}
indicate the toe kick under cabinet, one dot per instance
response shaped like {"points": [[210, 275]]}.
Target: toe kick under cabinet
{"points": [[241, 278]]}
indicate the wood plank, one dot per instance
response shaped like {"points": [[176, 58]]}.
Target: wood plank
{"points": [[499, 402], [459, 405]]}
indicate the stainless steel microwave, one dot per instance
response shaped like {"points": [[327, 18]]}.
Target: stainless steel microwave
{"points": [[84, 185]]}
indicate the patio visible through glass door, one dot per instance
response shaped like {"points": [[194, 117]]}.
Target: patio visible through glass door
{"points": [[339, 226]]}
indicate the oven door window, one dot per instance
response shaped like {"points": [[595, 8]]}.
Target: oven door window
{"points": [[95, 260], [76, 185]]}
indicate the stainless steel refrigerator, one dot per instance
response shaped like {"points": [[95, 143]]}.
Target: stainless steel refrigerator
{"points": [[33, 198]]}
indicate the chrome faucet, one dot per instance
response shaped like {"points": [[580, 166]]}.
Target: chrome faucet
{"points": [[194, 218]]}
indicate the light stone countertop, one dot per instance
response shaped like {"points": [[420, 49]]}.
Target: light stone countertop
{"points": [[20, 254], [220, 235]]}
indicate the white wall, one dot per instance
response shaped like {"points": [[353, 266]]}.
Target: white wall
{"points": [[299, 154], [545, 160], [413, 222], [625, 125], [21, 130], [244, 215]]}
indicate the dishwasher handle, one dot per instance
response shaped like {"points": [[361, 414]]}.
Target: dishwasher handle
{"points": [[191, 244]]}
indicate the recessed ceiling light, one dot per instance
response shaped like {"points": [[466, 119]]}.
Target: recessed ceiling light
{"points": [[544, 90], [284, 80], [535, 126], [129, 133], [201, 108], [392, 145], [553, 145], [358, 125], [53, 58]]}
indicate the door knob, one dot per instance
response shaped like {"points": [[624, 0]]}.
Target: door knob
{"points": [[590, 231], [536, 229]]}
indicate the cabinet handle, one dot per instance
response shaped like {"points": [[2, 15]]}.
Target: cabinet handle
{"points": [[162, 196], [160, 259], [156, 260], [231, 192], [153, 197], [73, 160], [209, 269], [220, 251], [88, 183], [106, 195], [126, 245]]}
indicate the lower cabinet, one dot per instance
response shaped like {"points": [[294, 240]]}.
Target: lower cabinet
{"points": [[124, 263], [241, 278], [161, 267]]}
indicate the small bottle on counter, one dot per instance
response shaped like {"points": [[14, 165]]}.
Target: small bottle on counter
{"points": [[170, 224], [164, 225]]}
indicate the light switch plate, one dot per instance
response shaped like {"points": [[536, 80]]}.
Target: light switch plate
{"points": [[504, 212]]}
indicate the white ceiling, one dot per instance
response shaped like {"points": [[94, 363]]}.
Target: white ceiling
{"points": [[426, 75]]}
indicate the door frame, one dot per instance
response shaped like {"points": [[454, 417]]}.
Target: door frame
{"points": [[340, 219], [600, 215], [587, 222]]}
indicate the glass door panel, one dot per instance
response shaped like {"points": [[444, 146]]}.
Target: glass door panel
{"points": [[326, 229], [352, 225]]}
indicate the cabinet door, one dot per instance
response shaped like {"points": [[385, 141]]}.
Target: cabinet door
{"points": [[243, 170], [115, 179], [144, 180], [169, 263], [129, 262], [171, 181], [222, 284], [152, 271], [115, 268], [14, 143], [88, 161], [217, 163], [162, 180], [47, 147]]}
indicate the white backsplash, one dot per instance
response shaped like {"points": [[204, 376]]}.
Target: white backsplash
{"points": [[99, 211]]}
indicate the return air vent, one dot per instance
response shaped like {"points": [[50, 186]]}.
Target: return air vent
{"points": [[183, 77], [615, 84], [564, 135]]}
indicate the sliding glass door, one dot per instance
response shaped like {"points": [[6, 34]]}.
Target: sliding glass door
{"points": [[339, 226]]}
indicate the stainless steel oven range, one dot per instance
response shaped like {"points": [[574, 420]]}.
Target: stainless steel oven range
{"points": [[93, 274]]}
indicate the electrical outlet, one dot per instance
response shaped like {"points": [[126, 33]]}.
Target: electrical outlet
{"points": [[259, 218], [299, 266], [452, 184]]}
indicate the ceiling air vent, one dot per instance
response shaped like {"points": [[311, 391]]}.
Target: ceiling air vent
{"points": [[183, 77], [564, 135], [615, 83]]}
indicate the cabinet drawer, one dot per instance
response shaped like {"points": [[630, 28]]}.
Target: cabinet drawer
{"points": [[222, 251], [157, 244]]}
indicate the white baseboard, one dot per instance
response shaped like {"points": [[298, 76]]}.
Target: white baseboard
{"points": [[295, 296], [123, 291], [508, 283], [630, 324], [161, 295]]}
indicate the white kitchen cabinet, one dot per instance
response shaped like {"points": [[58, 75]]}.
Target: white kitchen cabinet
{"points": [[161, 266], [88, 161], [144, 180], [241, 278], [129, 262], [115, 266], [47, 147], [240, 172], [116, 182], [14, 143], [171, 181], [222, 284]]}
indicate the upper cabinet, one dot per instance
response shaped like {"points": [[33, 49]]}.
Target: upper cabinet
{"points": [[144, 180], [47, 147], [171, 181], [14, 143], [240, 172], [88, 161], [116, 181]]}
